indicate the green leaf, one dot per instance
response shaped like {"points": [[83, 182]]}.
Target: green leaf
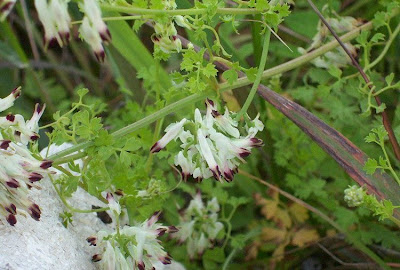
{"points": [[370, 166], [230, 75]]}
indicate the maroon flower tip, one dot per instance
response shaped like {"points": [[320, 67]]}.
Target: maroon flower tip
{"points": [[119, 192], [10, 117], [6, 7], [17, 133], [16, 92], [12, 209], [166, 260], [244, 153], [161, 231], [34, 177], [13, 183], [38, 108], [184, 176], [256, 142], [34, 137], [172, 229], [216, 173], [141, 266], [215, 113], [46, 164], [210, 102], [92, 240], [199, 179], [5, 144], [51, 43], [228, 175], [96, 258], [155, 148], [106, 35], [100, 55], [11, 219], [35, 212]]}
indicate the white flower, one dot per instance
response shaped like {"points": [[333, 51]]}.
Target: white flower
{"points": [[199, 226], [55, 20], [19, 170], [8, 101], [172, 132], [139, 247], [93, 29], [5, 8], [214, 144], [113, 204]]}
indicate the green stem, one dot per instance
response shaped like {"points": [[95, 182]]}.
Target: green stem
{"points": [[192, 11], [200, 96], [260, 71]]}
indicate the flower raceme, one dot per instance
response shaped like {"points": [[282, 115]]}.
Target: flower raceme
{"points": [[212, 145], [19, 170], [57, 23], [199, 226], [133, 247]]}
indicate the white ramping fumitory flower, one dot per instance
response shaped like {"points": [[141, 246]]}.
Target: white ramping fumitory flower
{"points": [[354, 196], [199, 226], [55, 20], [5, 7], [216, 147], [93, 29], [139, 247], [19, 170]]}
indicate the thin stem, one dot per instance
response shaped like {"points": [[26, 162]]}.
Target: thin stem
{"points": [[192, 11], [385, 49], [385, 119], [28, 26], [243, 81], [256, 83], [351, 238]]}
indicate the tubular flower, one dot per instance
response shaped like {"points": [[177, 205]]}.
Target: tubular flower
{"points": [[93, 29], [165, 36], [19, 170], [199, 226], [55, 20], [139, 247], [215, 148], [5, 8]]}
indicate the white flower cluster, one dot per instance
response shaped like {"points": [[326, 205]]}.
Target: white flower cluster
{"points": [[213, 145], [354, 196], [5, 8], [337, 57], [165, 32], [19, 170], [199, 226], [133, 247], [57, 23]]}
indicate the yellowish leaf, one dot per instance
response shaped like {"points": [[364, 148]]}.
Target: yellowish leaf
{"points": [[299, 212], [282, 218], [304, 236], [269, 208], [272, 234]]}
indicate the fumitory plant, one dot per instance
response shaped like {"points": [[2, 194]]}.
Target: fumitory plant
{"points": [[212, 134]]}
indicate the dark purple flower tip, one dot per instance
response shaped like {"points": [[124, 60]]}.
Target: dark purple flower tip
{"points": [[34, 177], [119, 192], [38, 108], [244, 153], [165, 260], [155, 148], [209, 101], [35, 212], [13, 183], [64, 37], [199, 179], [50, 42], [5, 144], [11, 219], [184, 176], [92, 240], [141, 266], [228, 175], [105, 35], [12, 209], [10, 117], [46, 164], [6, 7], [17, 133], [172, 229], [100, 55], [216, 173], [215, 113], [255, 142], [161, 231], [17, 91], [34, 137], [96, 258]]}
